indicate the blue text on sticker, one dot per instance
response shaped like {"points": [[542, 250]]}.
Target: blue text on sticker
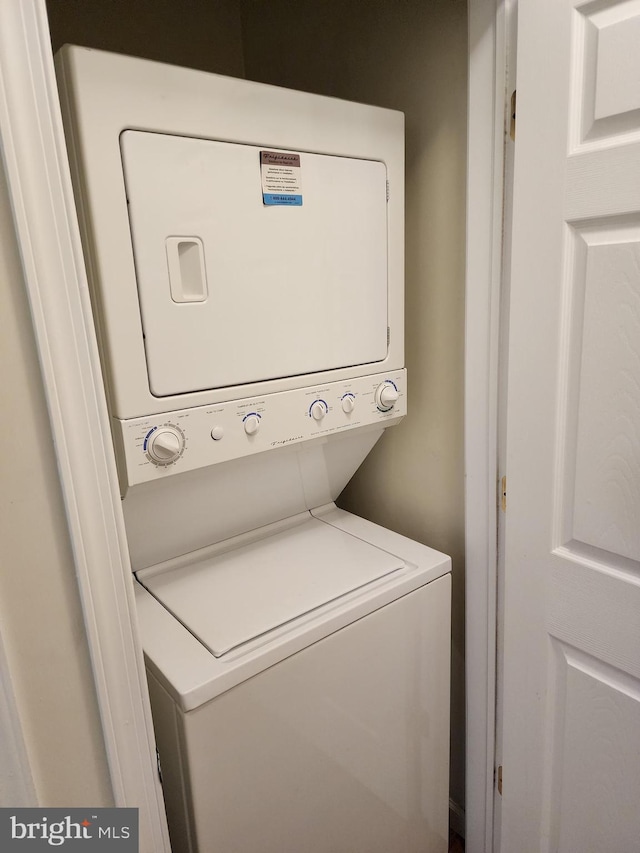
{"points": [[282, 198]]}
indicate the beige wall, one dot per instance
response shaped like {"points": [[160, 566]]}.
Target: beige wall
{"points": [[408, 55], [40, 614], [204, 34]]}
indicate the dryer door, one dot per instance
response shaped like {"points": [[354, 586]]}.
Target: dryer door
{"points": [[239, 282]]}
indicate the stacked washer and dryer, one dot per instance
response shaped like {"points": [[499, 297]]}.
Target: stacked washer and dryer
{"points": [[245, 253]]}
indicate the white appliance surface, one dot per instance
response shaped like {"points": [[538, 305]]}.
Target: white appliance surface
{"points": [[340, 746], [192, 511], [202, 292], [283, 290], [232, 598], [185, 665]]}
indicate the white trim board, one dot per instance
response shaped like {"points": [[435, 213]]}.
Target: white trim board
{"points": [[46, 226], [488, 39]]}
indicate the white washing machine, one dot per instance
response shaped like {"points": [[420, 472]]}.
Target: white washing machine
{"points": [[245, 255]]}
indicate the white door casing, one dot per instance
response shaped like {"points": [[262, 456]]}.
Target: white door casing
{"points": [[489, 45], [571, 748], [34, 154]]}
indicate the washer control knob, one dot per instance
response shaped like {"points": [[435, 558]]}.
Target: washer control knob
{"points": [[252, 424], [318, 410], [348, 403], [386, 396], [165, 446]]}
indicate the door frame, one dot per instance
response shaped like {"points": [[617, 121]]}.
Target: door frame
{"points": [[46, 226], [39, 183], [491, 43]]}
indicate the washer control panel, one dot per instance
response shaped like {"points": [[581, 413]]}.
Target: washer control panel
{"points": [[160, 445]]}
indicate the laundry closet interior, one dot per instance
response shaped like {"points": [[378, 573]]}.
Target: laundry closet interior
{"points": [[408, 56]]}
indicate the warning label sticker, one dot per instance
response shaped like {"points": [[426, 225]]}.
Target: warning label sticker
{"points": [[280, 175]]}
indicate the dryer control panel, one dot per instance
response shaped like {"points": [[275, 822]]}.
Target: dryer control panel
{"points": [[158, 446]]}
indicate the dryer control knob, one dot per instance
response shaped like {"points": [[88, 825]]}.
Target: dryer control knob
{"points": [[386, 396], [252, 424], [165, 446], [318, 410], [348, 403]]}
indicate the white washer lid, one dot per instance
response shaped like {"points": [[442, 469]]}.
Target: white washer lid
{"points": [[235, 597]]}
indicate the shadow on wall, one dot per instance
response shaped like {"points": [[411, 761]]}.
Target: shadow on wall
{"points": [[207, 37]]}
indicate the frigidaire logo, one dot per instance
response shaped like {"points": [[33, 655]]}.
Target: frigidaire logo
{"points": [[72, 829], [287, 440]]}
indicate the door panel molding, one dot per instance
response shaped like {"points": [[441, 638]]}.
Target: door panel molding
{"points": [[589, 753]]}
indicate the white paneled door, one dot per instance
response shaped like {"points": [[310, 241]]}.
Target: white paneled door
{"points": [[571, 750]]}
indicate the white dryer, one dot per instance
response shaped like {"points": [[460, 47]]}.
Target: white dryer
{"points": [[245, 250]]}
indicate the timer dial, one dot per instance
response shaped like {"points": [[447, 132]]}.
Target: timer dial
{"points": [[251, 424], [348, 403], [165, 445], [318, 410], [386, 396]]}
